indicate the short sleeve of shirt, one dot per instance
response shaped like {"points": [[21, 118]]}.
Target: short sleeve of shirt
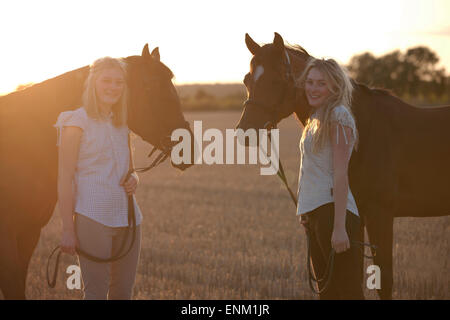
{"points": [[76, 118], [343, 117]]}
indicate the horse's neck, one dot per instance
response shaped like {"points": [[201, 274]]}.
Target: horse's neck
{"points": [[374, 105], [298, 63], [51, 96], [300, 111]]}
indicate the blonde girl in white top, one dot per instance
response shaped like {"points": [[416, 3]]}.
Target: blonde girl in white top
{"points": [[326, 205], [94, 157]]}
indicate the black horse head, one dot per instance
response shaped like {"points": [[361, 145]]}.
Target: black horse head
{"points": [[154, 108], [271, 86]]}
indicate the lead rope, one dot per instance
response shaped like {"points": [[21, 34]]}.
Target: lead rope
{"points": [[326, 277], [163, 155]]}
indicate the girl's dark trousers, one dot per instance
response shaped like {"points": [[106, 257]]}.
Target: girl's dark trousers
{"points": [[347, 275]]}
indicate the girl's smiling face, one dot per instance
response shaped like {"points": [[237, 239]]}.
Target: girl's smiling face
{"points": [[316, 88], [109, 86]]}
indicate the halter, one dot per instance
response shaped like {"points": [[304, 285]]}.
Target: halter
{"points": [[272, 110]]}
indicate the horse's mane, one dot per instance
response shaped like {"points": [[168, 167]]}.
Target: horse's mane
{"points": [[169, 72], [386, 102], [382, 93], [296, 49], [373, 90], [163, 68]]}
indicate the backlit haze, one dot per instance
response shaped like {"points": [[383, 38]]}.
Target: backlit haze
{"points": [[203, 41]]}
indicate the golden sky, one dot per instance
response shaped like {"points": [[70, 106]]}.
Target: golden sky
{"points": [[203, 41]]}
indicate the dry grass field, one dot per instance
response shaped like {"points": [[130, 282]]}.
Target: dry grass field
{"points": [[226, 232]]}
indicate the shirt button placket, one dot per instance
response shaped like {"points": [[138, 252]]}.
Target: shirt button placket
{"points": [[114, 146]]}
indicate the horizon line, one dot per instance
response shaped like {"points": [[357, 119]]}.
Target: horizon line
{"points": [[193, 83]]}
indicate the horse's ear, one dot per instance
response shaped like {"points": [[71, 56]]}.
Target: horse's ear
{"points": [[145, 52], [155, 54], [278, 42], [252, 46]]}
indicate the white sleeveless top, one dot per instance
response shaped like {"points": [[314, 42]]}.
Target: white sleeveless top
{"points": [[103, 160], [316, 169]]}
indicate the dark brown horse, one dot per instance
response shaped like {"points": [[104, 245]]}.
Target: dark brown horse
{"points": [[29, 156], [401, 168]]}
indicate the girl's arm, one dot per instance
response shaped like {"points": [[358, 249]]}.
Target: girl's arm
{"points": [[68, 157], [341, 146], [134, 174], [131, 184]]}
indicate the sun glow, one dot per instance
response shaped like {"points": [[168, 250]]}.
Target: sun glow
{"points": [[203, 41]]}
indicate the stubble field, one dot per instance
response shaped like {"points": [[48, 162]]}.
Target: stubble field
{"points": [[226, 232]]}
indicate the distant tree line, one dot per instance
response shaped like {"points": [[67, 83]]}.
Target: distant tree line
{"points": [[212, 96], [411, 74]]}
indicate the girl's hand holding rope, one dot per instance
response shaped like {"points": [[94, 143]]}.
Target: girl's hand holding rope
{"points": [[131, 184]]}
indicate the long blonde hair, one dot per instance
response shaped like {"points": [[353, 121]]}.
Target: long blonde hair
{"points": [[341, 89], [89, 98]]}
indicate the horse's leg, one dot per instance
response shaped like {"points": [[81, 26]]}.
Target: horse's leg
{"points": [[380, 230], [12, 279], [27, 240]]}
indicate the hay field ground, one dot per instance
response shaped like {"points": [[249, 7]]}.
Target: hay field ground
{"points": [[226, 232]]}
